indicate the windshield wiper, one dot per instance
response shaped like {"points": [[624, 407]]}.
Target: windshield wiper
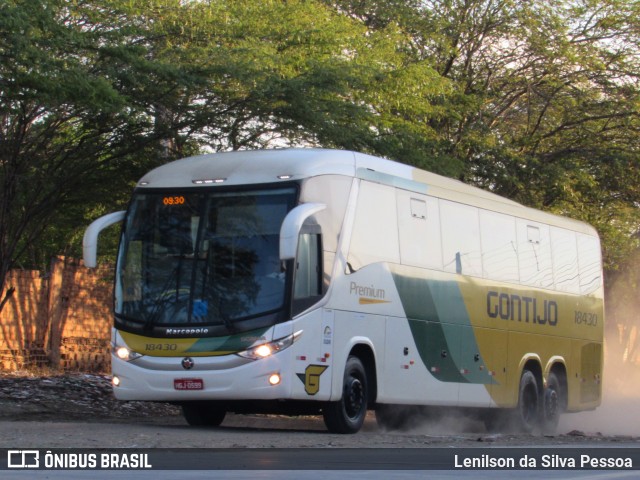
{"points": [[227, 322], [162, 298]]}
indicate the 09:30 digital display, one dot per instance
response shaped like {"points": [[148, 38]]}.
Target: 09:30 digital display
{"points": [[173, 200]]}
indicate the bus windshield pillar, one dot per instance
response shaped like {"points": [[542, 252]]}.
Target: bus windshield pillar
{"points": [[291, 228]]}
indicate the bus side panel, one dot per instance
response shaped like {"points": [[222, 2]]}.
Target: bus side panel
{"points": [[312, 356], [528, 346], [585, 375], [474, 366], [473, 336], [493, 342], [441, 325], [404, 378], [353, 328], [514, 323]]}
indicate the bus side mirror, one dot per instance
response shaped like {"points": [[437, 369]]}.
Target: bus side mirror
{"points": [[90, 239], [291, 226]]}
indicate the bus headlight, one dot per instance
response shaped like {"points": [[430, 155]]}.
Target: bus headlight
{"points": [[124, 353], [268, 349]]}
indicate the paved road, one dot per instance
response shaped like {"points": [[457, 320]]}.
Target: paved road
{"points": [[377, 454]]}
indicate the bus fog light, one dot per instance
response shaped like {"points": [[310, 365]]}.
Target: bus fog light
{"points": [[274, 379], [115, 381]]}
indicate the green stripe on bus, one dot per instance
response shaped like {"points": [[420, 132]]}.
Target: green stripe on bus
{"points": [[442, 329]]}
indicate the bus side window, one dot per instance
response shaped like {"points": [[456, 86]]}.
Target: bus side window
{"points": [[460, 226], [307, 288], [564, 252], [375, 227], [589, 264], [534, 254]]}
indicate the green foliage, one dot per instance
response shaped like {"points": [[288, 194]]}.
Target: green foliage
{"points": [[71, 120], [545, 108], [95, 92]]}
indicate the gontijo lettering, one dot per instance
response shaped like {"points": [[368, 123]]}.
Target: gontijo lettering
{"points": [[520, 308]]}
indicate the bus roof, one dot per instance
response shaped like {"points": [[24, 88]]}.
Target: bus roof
{"points": [[281, 165]]}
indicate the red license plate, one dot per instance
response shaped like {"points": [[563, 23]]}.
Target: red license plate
{"points": [[188, 384]]}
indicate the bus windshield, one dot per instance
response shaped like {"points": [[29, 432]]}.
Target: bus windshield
{"points": [[205, 258]]}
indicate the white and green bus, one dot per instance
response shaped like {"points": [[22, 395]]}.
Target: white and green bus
{"points": [[308, 281]]}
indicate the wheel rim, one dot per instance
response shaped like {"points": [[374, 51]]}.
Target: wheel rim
{"points": [[354, 397]]}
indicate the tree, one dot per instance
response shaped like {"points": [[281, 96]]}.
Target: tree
{"points": [[75, 91], [94, 92], [545, 108], [291, 73], [546, 111]]}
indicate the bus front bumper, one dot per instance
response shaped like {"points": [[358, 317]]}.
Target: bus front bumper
{"points": [[185, 379]]}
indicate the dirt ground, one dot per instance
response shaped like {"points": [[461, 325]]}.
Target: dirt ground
{"points": [[79, 410], [71, 397]]}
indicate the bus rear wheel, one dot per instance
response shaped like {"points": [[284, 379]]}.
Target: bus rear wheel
{"points": [[347, 414], [528, 410], [203, 414], [551, 405]]}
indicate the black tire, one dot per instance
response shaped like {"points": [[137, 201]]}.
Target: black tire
{"points": [[347, 414], [528, 410], [394, 417], [203, 414], [552, 405]]}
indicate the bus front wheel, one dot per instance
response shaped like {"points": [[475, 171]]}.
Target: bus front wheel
{"points": [[203, 414], [347, 414]]}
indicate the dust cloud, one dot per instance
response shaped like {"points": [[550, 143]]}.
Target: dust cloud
{"points": [[619, 413]]}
